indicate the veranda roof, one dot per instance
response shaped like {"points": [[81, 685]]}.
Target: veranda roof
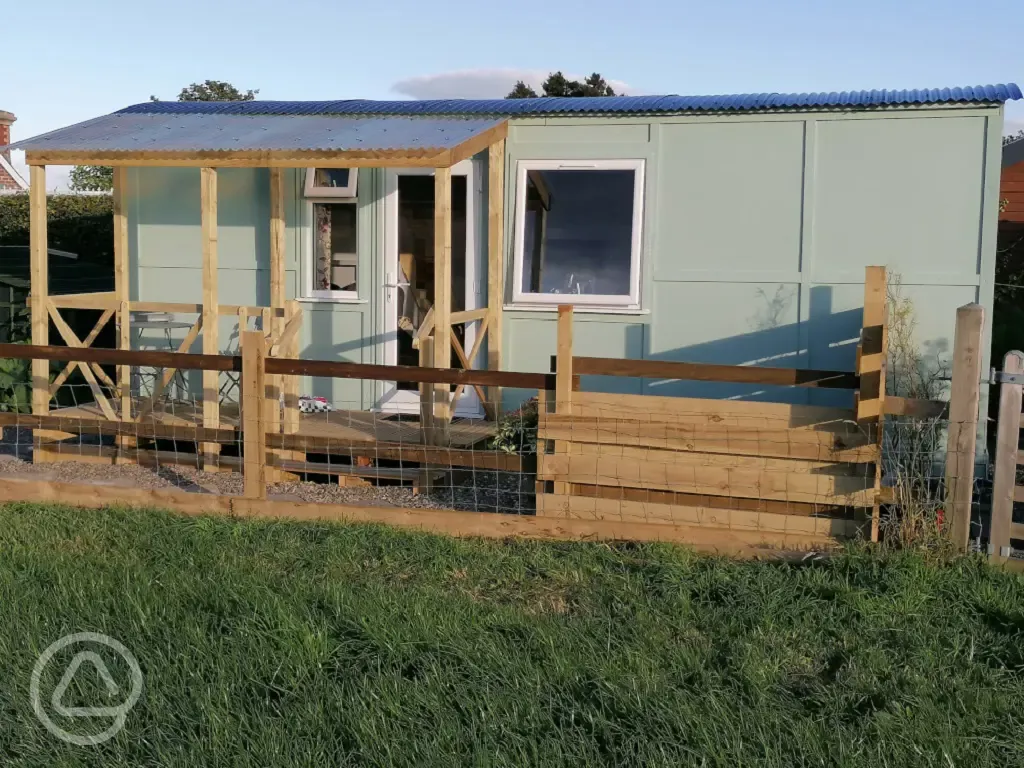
{"points": [[162, 138]]}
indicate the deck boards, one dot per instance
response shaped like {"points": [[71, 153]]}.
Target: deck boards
{"points": [[341, 425]]}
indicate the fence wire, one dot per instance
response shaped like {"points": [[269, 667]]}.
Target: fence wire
{"points": [[738, 465]]}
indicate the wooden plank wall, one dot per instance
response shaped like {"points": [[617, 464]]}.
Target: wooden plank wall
{"points": [[727, 464], [675, 460]]}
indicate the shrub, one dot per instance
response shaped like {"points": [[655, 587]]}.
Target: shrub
{"points": [[517, 430], [82, 224]]}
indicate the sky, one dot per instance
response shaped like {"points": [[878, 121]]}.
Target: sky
{"points": [[102, 55]]}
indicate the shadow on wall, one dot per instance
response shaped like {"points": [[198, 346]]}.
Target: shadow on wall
{"points": [[827, 340]]}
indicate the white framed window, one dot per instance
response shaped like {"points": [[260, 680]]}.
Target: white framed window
{"points": [[578, 233], [332, 266], [331, 182]]}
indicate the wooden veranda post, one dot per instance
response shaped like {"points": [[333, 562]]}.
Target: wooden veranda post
{"points": [[277, 299], [1007, 440], [121, 290], [39, 276], [964, 399], [211, 379], [495, 264], [254, 425], [442, 291]]}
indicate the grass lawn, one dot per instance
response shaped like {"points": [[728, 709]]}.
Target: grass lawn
{"points": [[267, 644]]}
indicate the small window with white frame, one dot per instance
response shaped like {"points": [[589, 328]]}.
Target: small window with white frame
{"points": [[334, 262], [578, 233], [332, 182]]}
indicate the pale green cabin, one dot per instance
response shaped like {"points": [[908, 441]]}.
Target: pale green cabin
{"points": [[704, 229]]}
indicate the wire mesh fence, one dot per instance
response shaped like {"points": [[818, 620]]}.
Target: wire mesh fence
{"points": [[795, 474]]}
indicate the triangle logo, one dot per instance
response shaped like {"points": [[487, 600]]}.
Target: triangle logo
{"points": [[104, 674]]}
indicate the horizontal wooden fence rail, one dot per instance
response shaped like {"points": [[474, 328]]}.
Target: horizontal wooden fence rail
{"points": [[739, 374], [281, 366], [109, 301], [407, 452], [129, 357], [410, 373]]}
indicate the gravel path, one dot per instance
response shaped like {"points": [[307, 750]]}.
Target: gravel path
{"points": [[478, 491]]}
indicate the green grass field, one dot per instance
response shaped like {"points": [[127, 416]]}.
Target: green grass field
{"points": [[280, 644]]}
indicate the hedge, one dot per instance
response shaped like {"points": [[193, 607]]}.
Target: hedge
{"points": [[82, 224]]}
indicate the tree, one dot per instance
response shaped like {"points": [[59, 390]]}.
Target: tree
{"points": [[558, 85], [213, 90], [92, 178], [522, 91], [1018, 136], [95, 178]]}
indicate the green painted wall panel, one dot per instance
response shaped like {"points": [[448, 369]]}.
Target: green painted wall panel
{"points": [[905, 193], [532, 340], [329, 333], [167, 205], [730, 199], [688, 324]]}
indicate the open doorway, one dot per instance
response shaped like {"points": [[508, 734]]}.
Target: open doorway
{"points": [[409, 269]]}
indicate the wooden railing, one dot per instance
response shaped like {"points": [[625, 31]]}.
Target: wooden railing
{"points": [[265, 448]]}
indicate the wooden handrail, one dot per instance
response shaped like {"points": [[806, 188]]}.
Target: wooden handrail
{"points": [[739, 374], [283, 366], [410, 373], [130, 357], [109, 301]]}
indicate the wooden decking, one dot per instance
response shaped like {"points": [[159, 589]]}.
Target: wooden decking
{"points": [[354, 426]]}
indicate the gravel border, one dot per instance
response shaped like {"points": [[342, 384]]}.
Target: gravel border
{"points": [[471, 490]]}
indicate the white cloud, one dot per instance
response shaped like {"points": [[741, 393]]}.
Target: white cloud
{"points": [[482, 83]]}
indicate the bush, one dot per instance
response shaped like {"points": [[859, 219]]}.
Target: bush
{"points": [[517, 430], [82, 224]]}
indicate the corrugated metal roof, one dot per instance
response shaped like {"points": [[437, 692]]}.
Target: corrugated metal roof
{"points": [[168, 131], [977, 94], [1013, 153]]}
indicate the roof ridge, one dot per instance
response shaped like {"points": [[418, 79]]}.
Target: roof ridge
{"points": [[744, 102]]}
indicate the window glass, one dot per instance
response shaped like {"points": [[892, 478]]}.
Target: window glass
{"points": [[578, 232], [331, 177], [334, 247], [338, 183]]}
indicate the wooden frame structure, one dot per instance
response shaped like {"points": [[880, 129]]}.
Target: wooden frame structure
{"points": [[279, 318]]}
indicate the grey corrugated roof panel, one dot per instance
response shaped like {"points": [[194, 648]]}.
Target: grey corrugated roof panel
{"points": [[744, 102], [1013, 152], [165, 131]]}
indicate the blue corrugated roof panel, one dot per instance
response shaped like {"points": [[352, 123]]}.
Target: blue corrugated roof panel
{"points": [[746, 102], [218, 131]]}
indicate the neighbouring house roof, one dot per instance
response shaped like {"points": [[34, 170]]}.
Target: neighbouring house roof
{"points": [[10, 179], [1013, 153], [746, 102], [176, 133]]}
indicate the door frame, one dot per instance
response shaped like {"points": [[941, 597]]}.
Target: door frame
{"points": [[387, 397]]}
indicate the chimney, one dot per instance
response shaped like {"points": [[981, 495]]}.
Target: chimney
{"points": [[6, 118]]}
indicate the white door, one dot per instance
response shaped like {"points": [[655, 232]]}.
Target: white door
{"points": [[400, 310]]}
